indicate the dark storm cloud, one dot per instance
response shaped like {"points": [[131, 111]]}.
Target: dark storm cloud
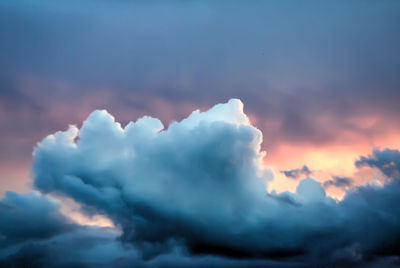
{"points": [[80, 247], [29, 216], [97, 248], [374, 214], [340, 182], [297, 173], [33, 233], [199, 186], [387, 160]]}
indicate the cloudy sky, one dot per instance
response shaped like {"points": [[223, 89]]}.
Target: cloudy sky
{"points": [[298, 159]]}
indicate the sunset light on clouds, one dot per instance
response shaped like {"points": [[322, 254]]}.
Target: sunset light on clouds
{"points": [[199, 133]]}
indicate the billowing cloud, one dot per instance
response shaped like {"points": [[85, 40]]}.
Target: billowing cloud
{"points": [[297, 173], [199, 189], [205, 171]]}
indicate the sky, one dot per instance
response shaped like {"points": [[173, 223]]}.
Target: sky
{"points": [[313, 84]]}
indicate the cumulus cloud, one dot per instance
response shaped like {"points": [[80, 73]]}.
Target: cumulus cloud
{"points": [[297, 173], [198, 189], [205, 171]]}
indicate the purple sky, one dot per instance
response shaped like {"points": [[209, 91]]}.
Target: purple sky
{"points": [[312, 75]]}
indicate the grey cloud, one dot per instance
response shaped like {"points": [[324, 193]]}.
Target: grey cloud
{"points": [[297, 173], [387, 160], [81, 247], [31, 216], [340, 182], [96, 247]]}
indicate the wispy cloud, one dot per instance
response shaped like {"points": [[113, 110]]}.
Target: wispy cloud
{"points": [[340, 182], [297, 173]]}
